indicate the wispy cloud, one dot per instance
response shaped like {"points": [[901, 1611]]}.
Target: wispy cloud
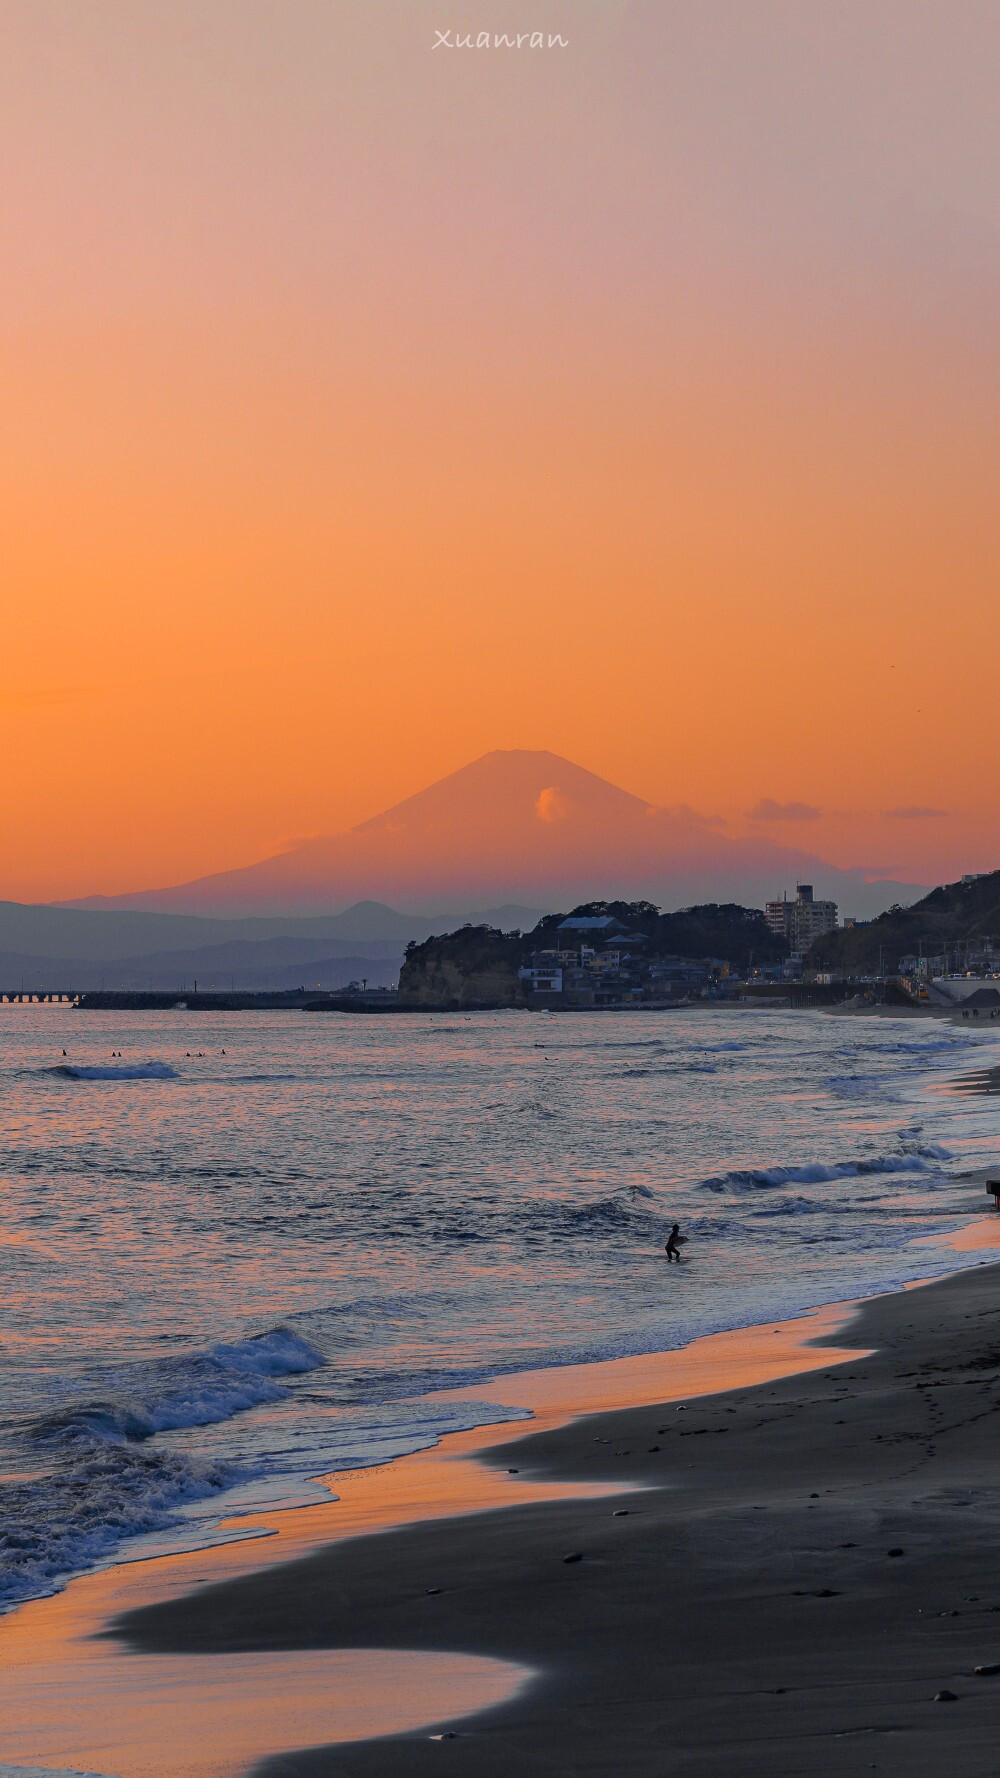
{"points": [[768, 810], [913, 812]]}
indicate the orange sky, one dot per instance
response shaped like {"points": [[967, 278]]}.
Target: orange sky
{"points": [[368, 407]]}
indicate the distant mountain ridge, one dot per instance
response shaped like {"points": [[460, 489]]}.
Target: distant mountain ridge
{"points": [[69, 948], [242, 966], [514, 826]]}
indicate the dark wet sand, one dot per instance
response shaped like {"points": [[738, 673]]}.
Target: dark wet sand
{"points": [[982, 1080], [746, 1616]]}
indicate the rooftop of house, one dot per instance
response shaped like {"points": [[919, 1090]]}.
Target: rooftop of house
{"points": [[586, 923]]}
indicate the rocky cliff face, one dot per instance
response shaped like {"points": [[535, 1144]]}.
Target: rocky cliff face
{"points": [[474, 967]]}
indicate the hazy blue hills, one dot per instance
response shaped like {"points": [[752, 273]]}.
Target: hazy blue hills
{"points": [[74, 948], [241, 966]]}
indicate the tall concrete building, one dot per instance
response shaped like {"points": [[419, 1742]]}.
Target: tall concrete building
{"points": [[802, 920]]}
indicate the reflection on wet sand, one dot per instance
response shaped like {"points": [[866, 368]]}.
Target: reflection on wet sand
{"points": [[975, 1236], [71, 1694], [212, 1716]]}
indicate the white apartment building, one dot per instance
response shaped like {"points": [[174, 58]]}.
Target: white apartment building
{"points": [[802, 920]]}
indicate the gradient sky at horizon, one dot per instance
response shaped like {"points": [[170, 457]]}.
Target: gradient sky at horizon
{"points": [[368, 407]]}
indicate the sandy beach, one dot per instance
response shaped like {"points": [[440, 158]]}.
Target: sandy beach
{"points": [[792, 1600], [73, 1695], [806, 1597]]}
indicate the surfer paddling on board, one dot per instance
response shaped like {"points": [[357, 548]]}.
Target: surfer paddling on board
{"points": [[675, 1241]]}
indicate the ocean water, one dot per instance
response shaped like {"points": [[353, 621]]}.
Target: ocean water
{"points": [[240, 1251]]}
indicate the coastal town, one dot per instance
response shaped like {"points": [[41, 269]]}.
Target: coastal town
{"points": [[940, 953], [596, 961], [796, 951]]}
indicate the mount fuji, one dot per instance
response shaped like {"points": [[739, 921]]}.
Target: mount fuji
{"points": [[516, 827]]}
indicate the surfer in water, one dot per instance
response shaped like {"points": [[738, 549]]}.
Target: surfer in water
{"points": [[675, 1241]]}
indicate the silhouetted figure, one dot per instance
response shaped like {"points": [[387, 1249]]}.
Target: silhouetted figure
{"points": [[674, 1241]]}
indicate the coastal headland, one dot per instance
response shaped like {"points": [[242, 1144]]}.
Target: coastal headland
{"points": [[798, 1576]]}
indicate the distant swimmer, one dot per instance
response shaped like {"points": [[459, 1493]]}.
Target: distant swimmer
{"points": [[675, 1241]]}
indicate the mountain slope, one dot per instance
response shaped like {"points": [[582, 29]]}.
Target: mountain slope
{"points": [[519, 826], [952, 915]]}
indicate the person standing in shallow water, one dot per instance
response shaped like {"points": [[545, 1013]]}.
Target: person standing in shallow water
{"points": [[673, 1246]]}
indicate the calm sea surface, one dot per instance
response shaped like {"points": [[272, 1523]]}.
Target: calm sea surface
{"points": [[248, 1250]]}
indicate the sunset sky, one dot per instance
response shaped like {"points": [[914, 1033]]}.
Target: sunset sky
{"points": [[367, 407]]}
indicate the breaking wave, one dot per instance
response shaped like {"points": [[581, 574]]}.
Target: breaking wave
{"points": [[818, 1172], [108, 1484], [108, 1071], [83, 1513], [197, 1390]]}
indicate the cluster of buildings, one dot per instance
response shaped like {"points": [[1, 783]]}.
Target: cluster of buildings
{"points": [[597, 962], [972, 959]]}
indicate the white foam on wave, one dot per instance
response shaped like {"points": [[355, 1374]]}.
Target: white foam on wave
{"points": [[47, 1772], [124, 1499], [126, 1071], [920, 1160], [198, 1389], [110, 1483]]}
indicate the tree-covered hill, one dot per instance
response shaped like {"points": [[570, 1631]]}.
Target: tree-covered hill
{"points": [[474, 967], [715, 929], [478, 965], [952, 915]]}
